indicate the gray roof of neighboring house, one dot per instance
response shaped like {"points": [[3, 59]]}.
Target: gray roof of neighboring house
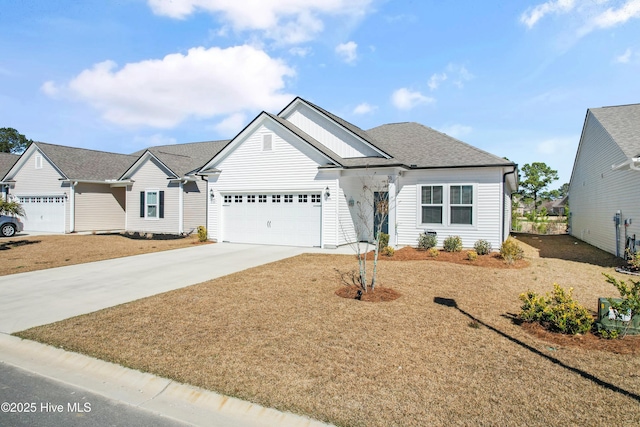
{"points": [[7, 160], [623, 124], [85, 164], [183, 159]]}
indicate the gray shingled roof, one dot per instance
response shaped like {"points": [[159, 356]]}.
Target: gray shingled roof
{"points": [[419, 145], [84, 164], [183, 159], [623, 124], [7, 160]]}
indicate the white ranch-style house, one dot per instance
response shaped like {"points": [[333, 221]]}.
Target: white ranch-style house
{"points": [[296, 178]]}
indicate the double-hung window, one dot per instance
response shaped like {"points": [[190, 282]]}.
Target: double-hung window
{"points": [[461, 204], [431, 204], [152, 204]]}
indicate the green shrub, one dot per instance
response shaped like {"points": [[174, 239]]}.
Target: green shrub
{"points": [[202, 233], [557, 311], [383, 241], [609, 335], [433, 252], [472, 255], [388, 251], [427, 241], [482, 247], [511, 250], [630, 295], [452, 244]]}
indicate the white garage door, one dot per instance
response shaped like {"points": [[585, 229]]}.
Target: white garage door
{"points": [[43, 213], [292, 219]]}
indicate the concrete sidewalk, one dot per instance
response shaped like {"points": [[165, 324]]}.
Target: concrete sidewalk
{"points": [[170, 399]]}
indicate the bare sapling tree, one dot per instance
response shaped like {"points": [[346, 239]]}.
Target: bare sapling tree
{"points": [[369, 214]]}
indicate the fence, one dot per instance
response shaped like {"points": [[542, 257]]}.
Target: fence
{"points": [[540, 227]]}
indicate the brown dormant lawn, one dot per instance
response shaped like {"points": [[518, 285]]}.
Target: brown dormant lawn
{"points": [[278, 335], [20, 254]]}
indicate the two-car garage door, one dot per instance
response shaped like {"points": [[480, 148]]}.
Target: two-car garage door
{"points": [[281, 218], [43, 213]]}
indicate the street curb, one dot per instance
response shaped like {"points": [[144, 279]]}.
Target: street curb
{"points": [[162, 396]]}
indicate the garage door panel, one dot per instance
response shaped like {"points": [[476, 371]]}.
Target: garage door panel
{"points": [[272, 218], [43, 213]]}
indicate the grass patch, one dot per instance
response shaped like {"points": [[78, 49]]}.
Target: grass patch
{"points": [[446, 352]]}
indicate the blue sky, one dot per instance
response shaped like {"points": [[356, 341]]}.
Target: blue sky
{"points": [[514, 78]]}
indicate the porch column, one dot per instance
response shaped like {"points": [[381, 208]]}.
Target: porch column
{"points": [[393, 229]]}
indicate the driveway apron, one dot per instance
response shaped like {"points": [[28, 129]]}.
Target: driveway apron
{"points": [[45, 296]]}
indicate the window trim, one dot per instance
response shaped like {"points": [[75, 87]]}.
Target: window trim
{"points": [[157, 204], [441, 204], [463, 205], [447, 205]]}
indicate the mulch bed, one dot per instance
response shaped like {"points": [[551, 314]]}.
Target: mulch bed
{"points": [[492, 260], [379, 294], [627, 345]]}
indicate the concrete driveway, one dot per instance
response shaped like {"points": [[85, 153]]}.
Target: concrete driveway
{"points": [[45, 296]]}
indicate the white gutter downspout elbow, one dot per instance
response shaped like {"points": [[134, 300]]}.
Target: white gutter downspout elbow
{"points": [[72, 207]]}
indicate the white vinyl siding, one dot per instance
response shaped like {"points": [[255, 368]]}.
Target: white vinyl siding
{"points": [[487, 205], [291, 167], [195, 208], [336, 138], [99, 207], [42, 181], [597, 192], [151, 176]]}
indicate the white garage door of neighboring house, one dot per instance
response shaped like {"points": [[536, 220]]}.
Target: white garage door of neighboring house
{"points": [[292, 219], [43, 213]]}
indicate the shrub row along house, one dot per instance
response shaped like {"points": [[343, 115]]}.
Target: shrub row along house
{"points": [[295, 178]]}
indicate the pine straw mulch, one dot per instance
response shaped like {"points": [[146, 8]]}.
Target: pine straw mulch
{"points": [[21, 254], [492, 260], [278, 335]]}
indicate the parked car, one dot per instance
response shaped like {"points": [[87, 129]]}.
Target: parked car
{"points": [[10, 225]]}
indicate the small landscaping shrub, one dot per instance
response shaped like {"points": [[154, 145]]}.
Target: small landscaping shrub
{"points": [[609, 335], [630, 295], [202, 233], [427, 241], [452, 244], [433, 252], [556, 311], [511, 251], [472, 255], [388, 251], [482, 247], [383, 241]]}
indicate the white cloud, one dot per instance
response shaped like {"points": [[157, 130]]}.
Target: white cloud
{"points": [[625, 57], [436, 79], [457, 130], [153, 140], [50, 88], [348, 52], [597, 14], [533, 14], [405, 99], [163, 92], [288, 21], [232, 125], [557, 146], [300, 51], [364, 108]]}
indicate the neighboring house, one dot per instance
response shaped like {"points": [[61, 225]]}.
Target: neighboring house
{"points": [[605, 182], [555, 207], [7, 160], [66, 189], [164, 195], [296, 178]]}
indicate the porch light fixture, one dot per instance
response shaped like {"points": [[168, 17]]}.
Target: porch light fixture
{"points": [[212, 195], [326, 192], [351, 202]]}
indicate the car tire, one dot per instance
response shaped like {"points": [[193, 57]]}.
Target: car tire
{"points": [[8, 230]]}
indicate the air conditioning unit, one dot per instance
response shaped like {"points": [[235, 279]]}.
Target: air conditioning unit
{"points": [[609, 319]]}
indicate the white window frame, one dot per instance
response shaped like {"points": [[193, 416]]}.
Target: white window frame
{"points": [[471, 205], [447, 205], [147, 204], [442, 205]]}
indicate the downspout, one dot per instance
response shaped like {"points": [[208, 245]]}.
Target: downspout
{"points": [[181, 208], [72, 206], [504, 180]]}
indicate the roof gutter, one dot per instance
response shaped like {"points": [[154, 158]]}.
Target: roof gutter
{"points": [[111, 182]]}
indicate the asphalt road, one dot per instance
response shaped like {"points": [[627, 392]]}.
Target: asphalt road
{"points": [[32, 400]]}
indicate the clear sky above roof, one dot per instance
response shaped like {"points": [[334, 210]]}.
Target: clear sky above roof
{"points": [[512, 78]]}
